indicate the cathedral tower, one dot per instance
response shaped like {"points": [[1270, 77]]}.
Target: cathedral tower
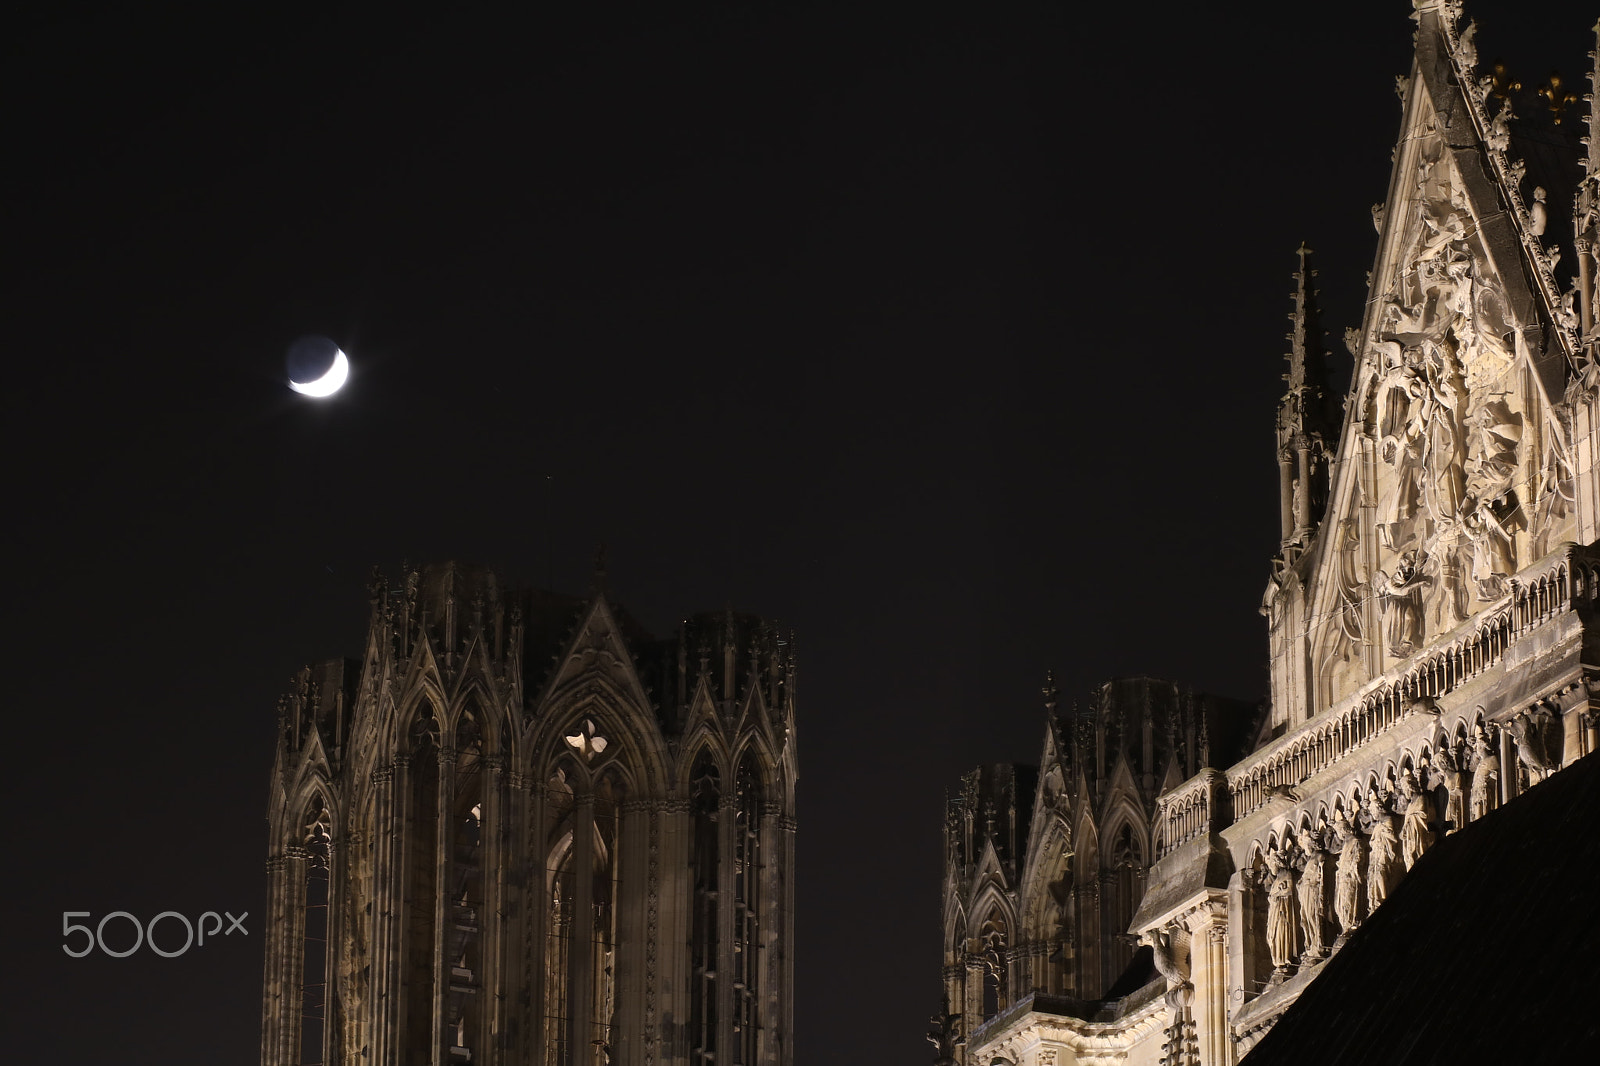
{"points": [[521, 831]]}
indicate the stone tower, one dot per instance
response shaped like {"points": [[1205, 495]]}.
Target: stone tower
{"points": [[1045, 866], [521, 831]]}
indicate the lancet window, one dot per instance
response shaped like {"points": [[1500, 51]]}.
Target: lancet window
{"points": [[747, 953], [422, 881], [705, 798], [560, 896], [994, 937], [464, 908], [314, 941], [581, 879]]}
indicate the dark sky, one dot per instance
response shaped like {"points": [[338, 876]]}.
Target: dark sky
{"points": [[950, 335]]}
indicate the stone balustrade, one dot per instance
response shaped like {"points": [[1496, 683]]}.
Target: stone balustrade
{"points": [[1566, 578]]}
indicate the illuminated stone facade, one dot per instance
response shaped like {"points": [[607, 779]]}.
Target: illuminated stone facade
{"points": [[1432, 620], [520, 831]]}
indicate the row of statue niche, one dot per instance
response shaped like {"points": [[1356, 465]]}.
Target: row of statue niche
{"points": [[1370, 851]]}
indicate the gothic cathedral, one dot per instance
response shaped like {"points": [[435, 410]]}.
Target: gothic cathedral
{"points": [[1178, 871], [521, 831]]}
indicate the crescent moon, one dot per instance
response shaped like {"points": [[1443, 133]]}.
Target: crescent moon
{"points": [[327, 384]]}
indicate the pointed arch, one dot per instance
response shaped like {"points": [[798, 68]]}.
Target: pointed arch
{"points": [[597, 708], [703, 743]]}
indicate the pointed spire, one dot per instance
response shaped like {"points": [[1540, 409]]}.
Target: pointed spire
{"points": [[1308, 360], [1307, 414]]}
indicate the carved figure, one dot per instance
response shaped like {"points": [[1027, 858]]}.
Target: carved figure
{"points": [[1401, 596], [1529, 737], [1311, 897], [1347, 875], [1492, 551], [1440, 232], [1454, 779], [1415, 834], [1485, 774], [1383, 861], [1282, 918], [944, 1033], [1399, 443], [1439, 410], [1179, 989], [1538, 213]]}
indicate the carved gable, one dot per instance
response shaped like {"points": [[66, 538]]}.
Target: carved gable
{"points": [[1452, 472]]}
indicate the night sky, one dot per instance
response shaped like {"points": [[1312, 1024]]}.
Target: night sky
{"points": [[949, 335]]}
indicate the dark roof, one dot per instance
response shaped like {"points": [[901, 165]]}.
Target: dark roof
{"points": [[1487, 949]]}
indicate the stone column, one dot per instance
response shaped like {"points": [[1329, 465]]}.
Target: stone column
{"points": [[666, 1022], [444, 861], [392, 785], [972, 1007], [492, 940], [278, 994], [633, 904], [1208, 970], [727, 893], [1285, 496], [292, 961], [333, 955], [1302, 517], [580, 993]]}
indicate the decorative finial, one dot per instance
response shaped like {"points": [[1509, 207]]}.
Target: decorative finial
{"points": [[600, 569], [1051, 693], [1502, 83], [1556, 96]]}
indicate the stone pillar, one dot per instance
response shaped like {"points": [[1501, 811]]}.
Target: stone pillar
{"points": [[634, 906], [443, 1034], [495, 851], [278, 997], [393, 787], [727, 894], [293, 958], [1208, 970], [667, 1019], [580, 993], [333, 951], [1089, 986], [972, 1006], [1285, 497]]}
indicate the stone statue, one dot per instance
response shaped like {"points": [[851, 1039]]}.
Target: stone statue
{"points": [[1492, 548], [1399, 442], [1383, 860], [1311, 897], [1538, 213], [1282, 917], [1401, 596], [1529, 738], [1347, 875], [1495, 436], [1450, 773], [1179, 989], [1439, 408], [1485, 774], [1415, 834]]}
